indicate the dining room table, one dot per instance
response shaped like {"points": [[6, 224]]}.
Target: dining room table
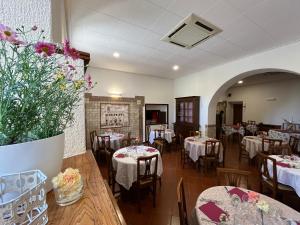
{"points": [[252, 128], [233, 129], [196, 147], [124, 162], [288, 170], [167, 134], [115, 140], [239, 206]]}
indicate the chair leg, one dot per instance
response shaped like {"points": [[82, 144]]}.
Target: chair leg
{"points": [[154, 194], [159, 179], [139, 200]]}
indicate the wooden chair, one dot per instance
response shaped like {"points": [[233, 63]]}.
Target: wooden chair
{"points": [[183, 216], [280, 150], [160, 146], [270, 181], [110, 170], [223, 139], [294, 143], [184, 154], [271, 143], [212, 152], [243, 154], [233, 177], [146, 178], [192, 133], [105, 142]]}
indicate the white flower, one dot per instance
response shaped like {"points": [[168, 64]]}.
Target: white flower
{"points": [[263, 206]]}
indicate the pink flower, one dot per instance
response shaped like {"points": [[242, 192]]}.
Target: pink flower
{"points": [[71, 52], [44, 48], [7, 34], [88, 80], [253, 196]]}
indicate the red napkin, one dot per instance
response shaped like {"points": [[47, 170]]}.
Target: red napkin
{"points": [[212, 211], [283, 164], [236, 191], [151, 150], [120, 155], [190, 139]]}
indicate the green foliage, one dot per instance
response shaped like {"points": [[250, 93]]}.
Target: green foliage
{"points": [[38, 92]]}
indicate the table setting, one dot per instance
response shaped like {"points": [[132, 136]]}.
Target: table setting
{"points": [[167, 134], [125, 163], [238, 206], [196, 147], [284, 135], [115, 139]]}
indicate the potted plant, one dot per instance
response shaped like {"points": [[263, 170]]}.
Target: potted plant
{"points": [[39, 89]]}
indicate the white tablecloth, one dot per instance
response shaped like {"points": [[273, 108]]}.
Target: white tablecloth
{"points": [[220, 194], [285, 136], [196, 147], [231, 130], [285, 175], [252, 128], [115, 140], [168, 134], [126, 168], [253, 145]]}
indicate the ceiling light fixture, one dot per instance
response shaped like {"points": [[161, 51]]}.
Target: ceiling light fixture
{"points": [[116, 54], [175, 67], [240, 82]]}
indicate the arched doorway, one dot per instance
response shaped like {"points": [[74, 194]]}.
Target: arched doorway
{"points": [[217, 96]]}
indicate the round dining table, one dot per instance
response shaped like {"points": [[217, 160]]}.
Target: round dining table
{"points": [[115, 140], [124, 162], [196, 147], [288, 170], [168, 134], [239, 206]]}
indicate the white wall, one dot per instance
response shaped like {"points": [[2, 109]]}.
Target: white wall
{"points": [[258, 108], [212, 83], [156, 90]]}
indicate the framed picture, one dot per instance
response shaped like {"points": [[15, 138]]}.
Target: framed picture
{"points": [[114, 115]]}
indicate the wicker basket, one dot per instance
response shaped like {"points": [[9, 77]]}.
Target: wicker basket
{"points": [[23, 199]]}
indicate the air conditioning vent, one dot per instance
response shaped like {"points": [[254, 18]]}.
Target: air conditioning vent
{"points": [[190, 32]]}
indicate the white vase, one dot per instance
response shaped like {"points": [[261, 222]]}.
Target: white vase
{"points": [[45, 155]]}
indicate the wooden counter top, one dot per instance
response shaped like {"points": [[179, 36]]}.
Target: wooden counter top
{"points": [[97, 205]]}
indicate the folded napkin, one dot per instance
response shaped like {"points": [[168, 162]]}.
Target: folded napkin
{"points": [[212, 211], [283, 164], [151, 150], [191, 139], [120, 155], [236, 191]]}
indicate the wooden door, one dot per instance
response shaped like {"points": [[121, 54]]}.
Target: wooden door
{"points": [[237, 113]]}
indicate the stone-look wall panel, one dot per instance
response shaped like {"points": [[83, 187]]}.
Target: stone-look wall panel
{"points": [[92, 115]]}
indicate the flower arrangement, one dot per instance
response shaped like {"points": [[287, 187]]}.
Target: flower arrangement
{"points": [[68, 186], [253, 197], [39, 88]]}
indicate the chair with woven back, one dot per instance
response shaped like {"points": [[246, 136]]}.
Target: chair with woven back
{"points": [[233, 177], [269, 180], [146, 177], [268, 145], [224, 142], [294, 143], [183, 215], [283, 149], [104, 142], [212, 153]]}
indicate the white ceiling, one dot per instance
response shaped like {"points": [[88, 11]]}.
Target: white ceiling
{"points": [[134, 29]]}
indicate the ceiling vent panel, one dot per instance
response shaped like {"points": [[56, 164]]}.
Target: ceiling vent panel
{"points": [[190, 32]]}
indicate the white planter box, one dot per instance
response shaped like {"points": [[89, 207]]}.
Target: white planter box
{"points": [[45, 155]]}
